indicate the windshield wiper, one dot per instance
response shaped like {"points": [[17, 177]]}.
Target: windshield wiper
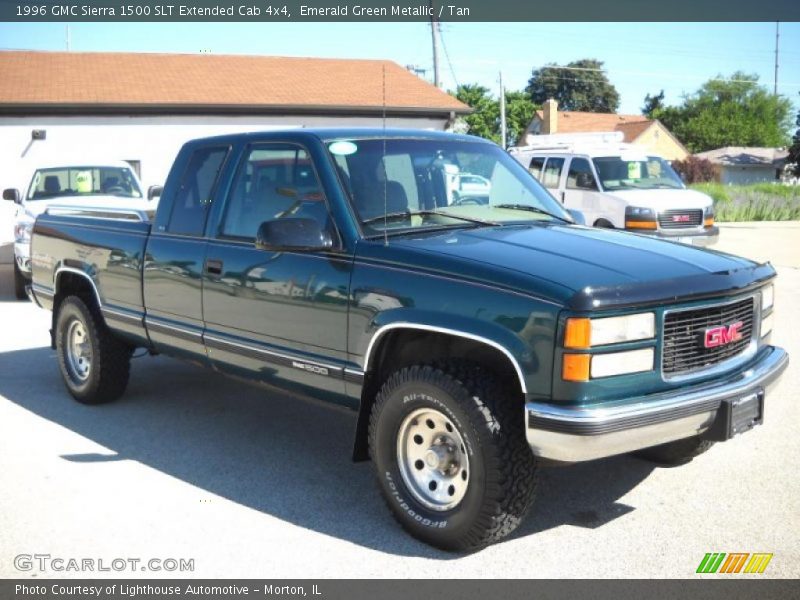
{"points": [[530, 208], [400, 215]]}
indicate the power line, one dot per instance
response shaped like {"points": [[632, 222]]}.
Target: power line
{"points": [[447, 56]]}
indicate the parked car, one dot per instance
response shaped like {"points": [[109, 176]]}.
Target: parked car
{"points": [[92, 184], [620, 186], [475, 341]]}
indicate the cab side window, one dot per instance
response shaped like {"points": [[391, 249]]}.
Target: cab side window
{"points": [[275, 181], [580, 175], [196, 192], [535, 168], [552, 172]]}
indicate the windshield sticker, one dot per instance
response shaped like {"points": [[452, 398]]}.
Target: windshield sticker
{"points": [[83, 182], [343, 148], [634, 170]]}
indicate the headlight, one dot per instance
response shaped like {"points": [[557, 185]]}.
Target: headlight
{"points": [[585, 333], [767, 297], [637, 217], [708, 216], [22, 232], [582, 367]]}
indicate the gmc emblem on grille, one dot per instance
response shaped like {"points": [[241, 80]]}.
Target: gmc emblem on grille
{"points": [[681, 218], [722, 335]]}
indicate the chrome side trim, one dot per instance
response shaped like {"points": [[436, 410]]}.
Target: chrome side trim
{"points": [[297, 362], [82, 274], [476, 338], [156, 325], [578, 434]]}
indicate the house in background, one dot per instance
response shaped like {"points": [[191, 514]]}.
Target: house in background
{"points": [[637, 129], [743, 165], [142, 107]]}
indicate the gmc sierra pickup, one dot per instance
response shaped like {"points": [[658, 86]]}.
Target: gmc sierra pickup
{"points": [[477, 337]]}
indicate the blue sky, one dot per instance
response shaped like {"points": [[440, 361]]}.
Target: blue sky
{"points": [[640, 58]]}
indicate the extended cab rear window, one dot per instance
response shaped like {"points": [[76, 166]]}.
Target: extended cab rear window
{"points": [[195, 194]]}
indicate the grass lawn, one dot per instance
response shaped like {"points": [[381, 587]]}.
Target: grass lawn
{"points": [[757, 202]]}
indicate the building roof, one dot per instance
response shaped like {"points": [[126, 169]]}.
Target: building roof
{"points": [[632, 126], [743, 156], [104, 81]]}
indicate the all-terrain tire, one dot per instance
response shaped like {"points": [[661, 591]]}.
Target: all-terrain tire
{"points": [[676, 453], [104, 374], [489, 420]]}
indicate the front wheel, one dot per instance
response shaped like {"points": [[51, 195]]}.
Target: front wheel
{"points": [[94, 364], [451, 456], [20, 281]]}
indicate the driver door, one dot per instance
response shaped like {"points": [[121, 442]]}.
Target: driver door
{"points": [[580, 189], [280, 315]]}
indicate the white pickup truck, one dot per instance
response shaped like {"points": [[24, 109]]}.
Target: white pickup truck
{"points": [[620, 186], [111, 186]]}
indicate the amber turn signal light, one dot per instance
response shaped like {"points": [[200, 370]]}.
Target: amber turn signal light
{"points": [[709, 222], [640, 225], [578, 333], [576, 367]]}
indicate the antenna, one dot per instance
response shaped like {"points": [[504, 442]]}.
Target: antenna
{"points": [[383, 164]]}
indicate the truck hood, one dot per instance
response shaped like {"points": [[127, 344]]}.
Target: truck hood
{"points": [[663, 199], [36, 207], [581, 267]]}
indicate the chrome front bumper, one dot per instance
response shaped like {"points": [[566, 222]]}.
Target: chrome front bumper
{"points": [[567, 434]]}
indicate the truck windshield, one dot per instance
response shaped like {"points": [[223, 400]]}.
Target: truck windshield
{"points": [[636, 173], [434, 184], [83, 181]]}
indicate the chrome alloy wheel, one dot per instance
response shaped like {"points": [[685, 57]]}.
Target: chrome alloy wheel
{"points": [[78, 351], [433, 460]]}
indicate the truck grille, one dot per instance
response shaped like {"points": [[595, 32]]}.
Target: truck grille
{"points": [[680, 219], [684, 338]]}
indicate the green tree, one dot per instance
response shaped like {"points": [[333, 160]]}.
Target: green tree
{"points": [[484, 119], [729, 112], [653, 103], [582, 86], [794, 150], [519, 113]]}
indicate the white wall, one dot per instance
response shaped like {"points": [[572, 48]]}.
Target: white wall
{"points": [[152, 140], [745, 175]]}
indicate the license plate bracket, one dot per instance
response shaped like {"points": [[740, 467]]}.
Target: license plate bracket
{"points": [[737, 415]]}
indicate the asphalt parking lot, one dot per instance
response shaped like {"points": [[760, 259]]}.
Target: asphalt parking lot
{"points": [[191, 465]]}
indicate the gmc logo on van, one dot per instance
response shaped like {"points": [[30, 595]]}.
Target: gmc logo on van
{"points": [[722, 335], [681, 218]]}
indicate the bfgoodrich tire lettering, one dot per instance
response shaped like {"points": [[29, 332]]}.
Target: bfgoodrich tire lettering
{"points": [[94, 364], [489, 421]]}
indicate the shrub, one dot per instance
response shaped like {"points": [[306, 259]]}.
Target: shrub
{"points": [[696, 170], [757, 202]]}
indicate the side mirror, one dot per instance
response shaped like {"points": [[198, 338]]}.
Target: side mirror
{"points": [[577, 216], [13, 195], [154, 191], [293, 233], [585, 181]]}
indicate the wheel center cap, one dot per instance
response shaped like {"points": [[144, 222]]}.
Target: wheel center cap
{"points": [[437, 457]]}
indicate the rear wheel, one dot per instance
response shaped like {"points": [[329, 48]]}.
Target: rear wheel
{"points": [[676, 453], [451, 456], [20, 281], [94, 364]]}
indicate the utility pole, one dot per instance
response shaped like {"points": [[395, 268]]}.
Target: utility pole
{"points": [[777, 38], [435, 42], [67, 37], [503, 136]]}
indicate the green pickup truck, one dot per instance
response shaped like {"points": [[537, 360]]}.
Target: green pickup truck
{"points": [[477, 337]]}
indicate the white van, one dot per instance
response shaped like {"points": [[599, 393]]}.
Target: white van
{"points": [[619, 185]]}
